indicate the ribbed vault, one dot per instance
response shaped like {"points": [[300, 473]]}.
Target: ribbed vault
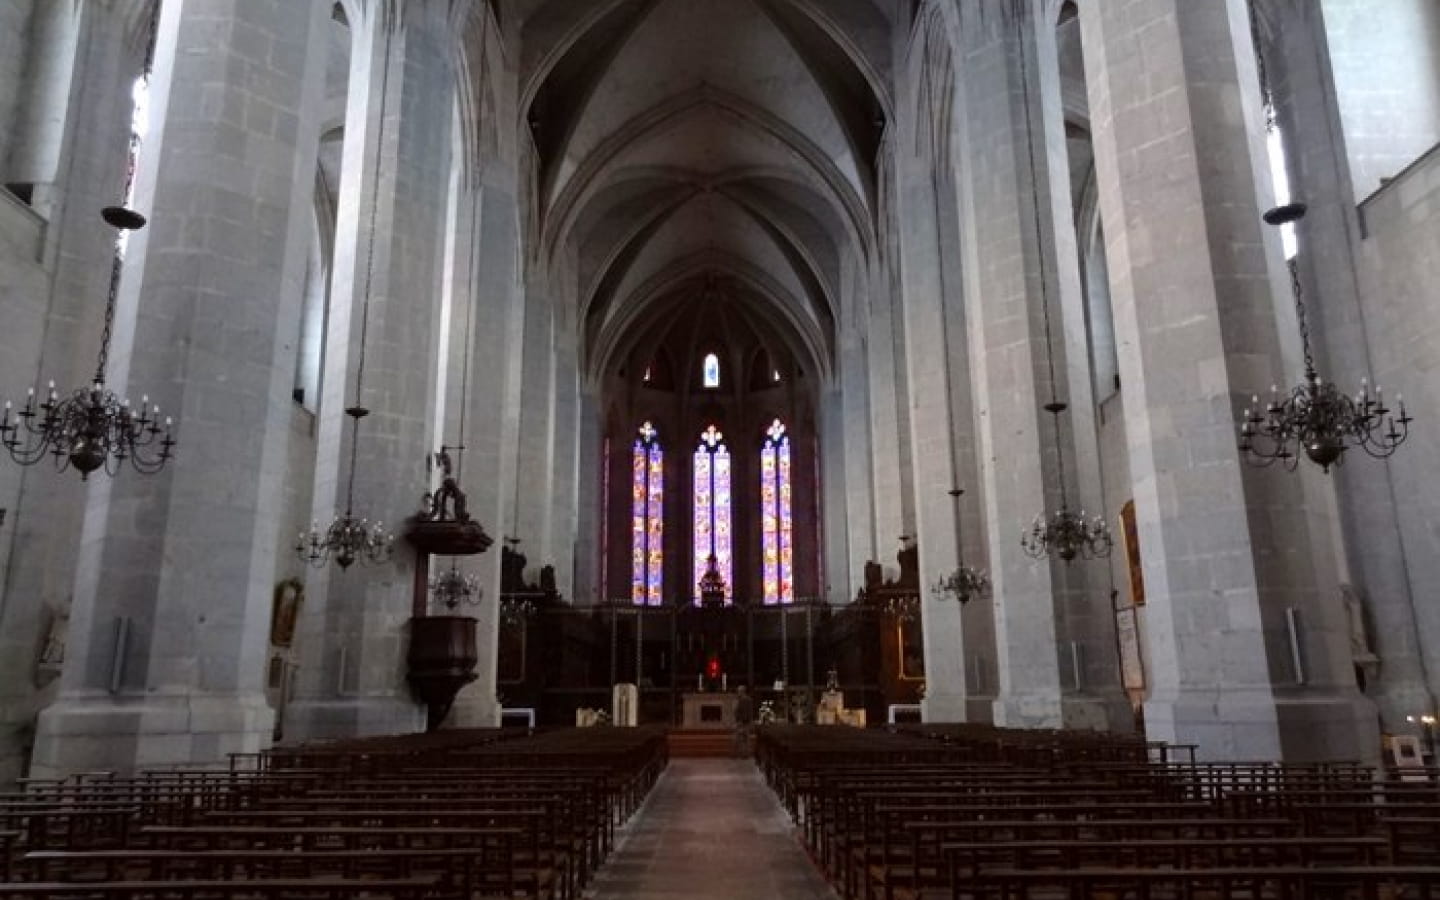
{"points": [[687, 142]]}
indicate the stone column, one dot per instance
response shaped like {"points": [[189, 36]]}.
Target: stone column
{"points": [[1004, 269], [492, 415], [929, 359], [560, 542], [53, 300], [855, 522], [885, 409], [588, 527], [1298, 61], [353, 633], [211, 291], [532, 508], [836, 460], [1085, 621], [1194, 276]]}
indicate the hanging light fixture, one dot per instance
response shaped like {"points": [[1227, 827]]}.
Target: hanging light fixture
{"points": [[1315, 416], [349, 538], [1064, 533], [92, 428], [454, 588], [516, 609], [966, 582]]}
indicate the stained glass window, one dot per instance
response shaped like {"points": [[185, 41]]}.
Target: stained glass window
{"points": [[711, 371], [647, 517], [712, 512], [777, 525]]}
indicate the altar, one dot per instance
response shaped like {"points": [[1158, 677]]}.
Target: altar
{"points": [[709, 710]]}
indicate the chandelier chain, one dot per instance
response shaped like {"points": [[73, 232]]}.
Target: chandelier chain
{"points": [[103, 359], [1054, 407], [1065, 534], [468, 347], [1267, 93], [1301, 318], [356, 412]]}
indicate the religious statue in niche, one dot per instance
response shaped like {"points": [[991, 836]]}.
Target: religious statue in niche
{"points": [[285, 611], [1364, 659], [51, 658]]}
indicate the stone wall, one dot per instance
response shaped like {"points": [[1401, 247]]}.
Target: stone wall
{"points": [[1400, 287], [1385, 58], [24, 296]]}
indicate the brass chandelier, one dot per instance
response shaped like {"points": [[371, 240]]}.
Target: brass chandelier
{"points": [[453, 588], [966, 582], [92, 428], [1315, 417]]}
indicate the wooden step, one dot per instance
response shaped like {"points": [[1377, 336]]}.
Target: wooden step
{"points": [[698, 744]]}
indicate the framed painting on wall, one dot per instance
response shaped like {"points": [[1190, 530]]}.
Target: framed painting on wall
{"points": [[1130, 539]]}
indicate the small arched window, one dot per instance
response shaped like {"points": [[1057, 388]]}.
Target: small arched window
{"points": [[710, 371]]}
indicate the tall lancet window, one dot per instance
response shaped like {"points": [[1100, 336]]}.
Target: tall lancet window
{"points": [[777, 527], [712, 512], [139, 125], [710, 371], [647, 517]]}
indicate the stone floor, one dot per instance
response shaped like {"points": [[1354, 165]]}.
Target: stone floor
{"points": [[711, 830]]}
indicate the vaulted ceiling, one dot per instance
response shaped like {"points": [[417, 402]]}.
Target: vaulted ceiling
{"points": [[680, 143]]}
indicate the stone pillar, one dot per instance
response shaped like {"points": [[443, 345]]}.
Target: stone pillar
{"points": [[492, 415], [1298, 61], [1003, 270], [561, 535], [835, 488], [354, 635], [855, 521], [588, 527], [1194, 276], [59, 34], [185, 557], [53, 301], [1085, 621], [535, 470], [928, 352], [886, 410]]}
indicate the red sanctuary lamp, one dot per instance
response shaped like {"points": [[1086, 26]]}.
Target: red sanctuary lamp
{"points": [[712, 674]]}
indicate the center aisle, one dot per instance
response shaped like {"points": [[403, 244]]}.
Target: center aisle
{"points": [[710, 830]]}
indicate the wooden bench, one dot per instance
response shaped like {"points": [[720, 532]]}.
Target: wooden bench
{"points": [[1209, 883], [472, 870], [418, 888]]}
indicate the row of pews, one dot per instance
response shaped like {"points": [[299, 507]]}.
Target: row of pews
{"points": [[968, 811], [443, 816]]}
